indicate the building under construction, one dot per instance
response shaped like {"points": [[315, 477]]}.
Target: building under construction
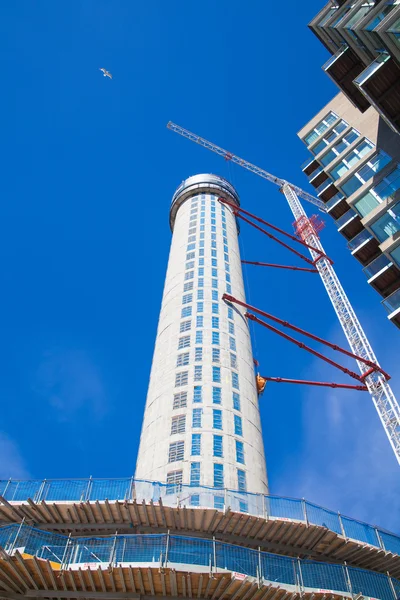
{"points": [[197, 520]]}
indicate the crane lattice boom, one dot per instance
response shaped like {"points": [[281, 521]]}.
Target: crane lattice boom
{"points": [[246, 165], [382, 395]]}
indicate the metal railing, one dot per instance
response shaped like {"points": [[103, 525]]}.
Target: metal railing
{"points": [[392, 302], [359, 239], [377, 265], [334, 200], [165, 550], [260, 505]]}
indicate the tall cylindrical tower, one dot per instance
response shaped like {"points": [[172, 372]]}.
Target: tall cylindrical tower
{"points": [[202, 424]]}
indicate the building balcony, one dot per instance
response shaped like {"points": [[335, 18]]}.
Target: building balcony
{"points": [[349, 224], [309, 165], [314, 174], [380, 85], [343, 67], [364, 247], [383, 275], [392, 305], [337, 206], [326, 190]]}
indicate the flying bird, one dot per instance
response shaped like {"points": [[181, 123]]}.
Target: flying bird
{"points": [[106, 73]]}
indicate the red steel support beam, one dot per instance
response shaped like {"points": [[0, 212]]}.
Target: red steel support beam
{"points": [[261, 264], [237, 210], [369, 363], [304, 346], [273, 237], [361, 388]]}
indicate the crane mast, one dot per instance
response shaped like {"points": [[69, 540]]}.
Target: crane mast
{"points": [[382, 395]]}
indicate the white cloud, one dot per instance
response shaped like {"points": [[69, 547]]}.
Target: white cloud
{"points": [[11, 462], [70, 382]]}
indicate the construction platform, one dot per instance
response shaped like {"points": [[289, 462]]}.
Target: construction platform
{"points": [[36, 563]]}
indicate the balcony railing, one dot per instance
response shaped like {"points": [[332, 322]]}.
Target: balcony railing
{"points": [[324, 185], [331, 203], [346, 218], [392, 302], [377, 265], [260, 505], [169, 551], [359, 239], [315, 173], [307, 162], [335, 57]]}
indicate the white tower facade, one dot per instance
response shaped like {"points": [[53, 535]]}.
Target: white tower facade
{"points": [[201, 425]]}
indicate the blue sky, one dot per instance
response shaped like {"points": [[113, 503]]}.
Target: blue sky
{"points": [[88, 170]]}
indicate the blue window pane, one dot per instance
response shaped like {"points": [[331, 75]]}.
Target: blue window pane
{"points": [[214, 322], [217, 419], [239, 452], [197, 417], [214, 283], [215, 337], [199, 321], [196, 444], [218, 475], [236, 401], [195, 473], [214, 294], [216, 374], [199, 337], [235, 381], [200, 307], [216, 395], [238, 425], [186, 311], [242, 486], [200, 294], [197, 393], [218, 446]]}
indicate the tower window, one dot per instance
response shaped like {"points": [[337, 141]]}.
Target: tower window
{"points": [[184, 326], [180, 400], [189, 275], [239, 452], [199, 321], [184, 342], [215, 337], [241, 475], [215, 309], [176, 451], [200, 307], [215, 355], [236, 401], [197, 393], [174, 482], [195, 473], [215, 322], [178, 424], [216, 395], [217, 446], [217, 418], [197, 417], [188, 286], [218, 475], [182, 359], [186, 312], [231, 328], [198, 354], [235, 380], [216, 374], [196, 444], [200, 294], [198, 373], [233, 361], [199, 337], [232, 344], [238, 425], [187, 298], [181, 378]]}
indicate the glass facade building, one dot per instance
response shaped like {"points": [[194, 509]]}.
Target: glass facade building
{"points": [[354, 166]]}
